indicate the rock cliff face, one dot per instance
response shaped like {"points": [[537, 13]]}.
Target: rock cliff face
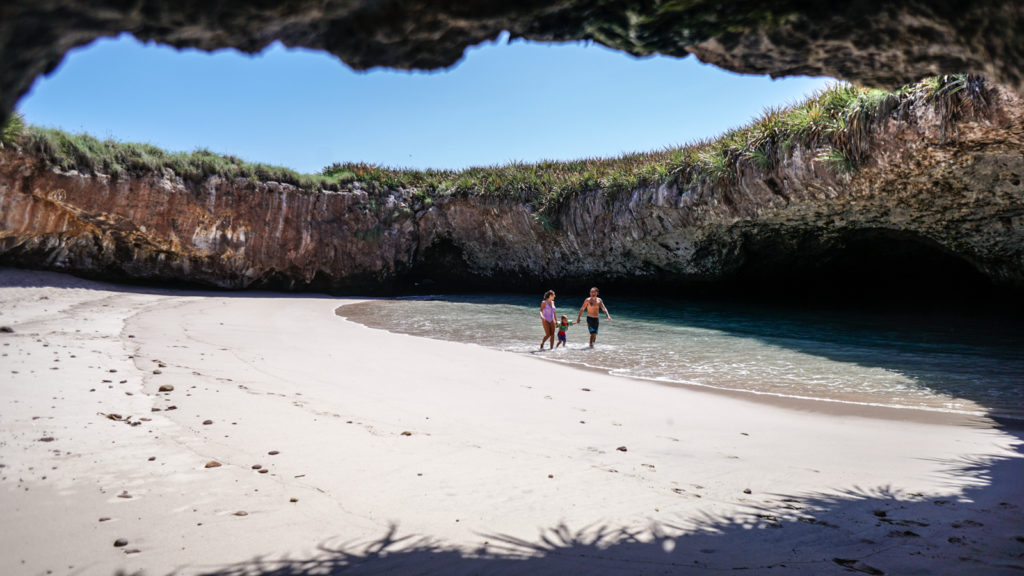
{"points": [[882, 43], [932, 207]]}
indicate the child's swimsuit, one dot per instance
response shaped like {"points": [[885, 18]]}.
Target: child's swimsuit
{"points": [[561, 331]]}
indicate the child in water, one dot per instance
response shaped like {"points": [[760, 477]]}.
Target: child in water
{"points": [[561, 330]]}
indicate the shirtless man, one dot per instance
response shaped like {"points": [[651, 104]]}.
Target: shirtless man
{"points": [[593, 306]]}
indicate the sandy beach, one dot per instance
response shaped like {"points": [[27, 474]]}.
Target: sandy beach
{"points": [[288, 440]]}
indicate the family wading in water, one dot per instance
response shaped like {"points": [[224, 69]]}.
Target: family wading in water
{"points": [[593, 305]]}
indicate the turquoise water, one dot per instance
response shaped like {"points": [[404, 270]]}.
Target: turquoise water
{"points": [[949, 362]]}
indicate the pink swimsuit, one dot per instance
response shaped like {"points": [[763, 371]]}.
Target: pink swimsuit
{"points": [[549, 313]]}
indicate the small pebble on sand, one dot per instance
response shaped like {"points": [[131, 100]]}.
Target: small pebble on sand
{"points": [[213, 464]]}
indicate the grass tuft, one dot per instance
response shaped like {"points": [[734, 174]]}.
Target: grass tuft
{"points": [[11, 133]]}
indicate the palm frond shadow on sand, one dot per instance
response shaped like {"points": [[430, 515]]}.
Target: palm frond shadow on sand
{"points": [[877, 530]]}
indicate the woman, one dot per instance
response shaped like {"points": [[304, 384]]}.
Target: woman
{"points": [[547, 316]]}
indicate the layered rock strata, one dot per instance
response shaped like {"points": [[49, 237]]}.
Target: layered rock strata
{"points": [[933, 205], [882, 43]]}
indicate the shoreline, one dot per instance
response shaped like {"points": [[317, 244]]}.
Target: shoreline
{"points": [[342, 448], [827, 406]]}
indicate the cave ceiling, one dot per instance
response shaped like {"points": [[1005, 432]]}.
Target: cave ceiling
{"points": [[868, 42]]}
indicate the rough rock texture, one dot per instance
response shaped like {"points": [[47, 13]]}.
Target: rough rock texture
{"points": [[882, 43], [930, 208]]}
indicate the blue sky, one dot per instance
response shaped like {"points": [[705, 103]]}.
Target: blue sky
{"points": [[302, 109]]}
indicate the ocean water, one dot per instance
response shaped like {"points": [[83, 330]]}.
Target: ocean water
{"points": [[943, 362]]}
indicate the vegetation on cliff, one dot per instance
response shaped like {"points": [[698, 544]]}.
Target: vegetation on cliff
{"points": [[836, 126], [12, 131]]}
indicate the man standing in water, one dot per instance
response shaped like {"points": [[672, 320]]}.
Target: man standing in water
{"points": [[593, 306]]}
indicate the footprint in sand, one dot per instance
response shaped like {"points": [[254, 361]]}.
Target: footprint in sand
{"points": [[903, 534], [967, 523], [683, 492], [857, 566]]}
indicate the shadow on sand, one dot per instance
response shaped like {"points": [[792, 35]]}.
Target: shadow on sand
{"points": [[881, 530]]}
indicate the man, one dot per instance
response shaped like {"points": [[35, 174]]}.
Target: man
{"points": [[593, 306]]}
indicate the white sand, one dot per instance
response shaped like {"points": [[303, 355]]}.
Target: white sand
{"points": [[413, 456]]}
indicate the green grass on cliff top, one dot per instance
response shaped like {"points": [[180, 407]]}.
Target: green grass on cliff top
{"points": [[836, 125]]}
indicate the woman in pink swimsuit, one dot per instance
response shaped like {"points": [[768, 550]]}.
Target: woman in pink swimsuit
{"points": [[547, 316]]}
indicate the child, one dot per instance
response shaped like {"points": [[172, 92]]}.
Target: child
{"points": [[561, 330]]}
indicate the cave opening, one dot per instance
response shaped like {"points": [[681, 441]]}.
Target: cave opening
{"points": [[860, 268], [441, 266]]}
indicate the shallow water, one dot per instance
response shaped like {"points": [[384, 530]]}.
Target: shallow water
{"points": [[948, 362]]}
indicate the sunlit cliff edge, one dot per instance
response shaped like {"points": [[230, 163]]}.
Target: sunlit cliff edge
{"points": [[914, 189]]}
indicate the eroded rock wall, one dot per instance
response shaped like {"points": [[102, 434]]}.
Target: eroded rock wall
{"points": [[924, 192], [230, 234]]}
